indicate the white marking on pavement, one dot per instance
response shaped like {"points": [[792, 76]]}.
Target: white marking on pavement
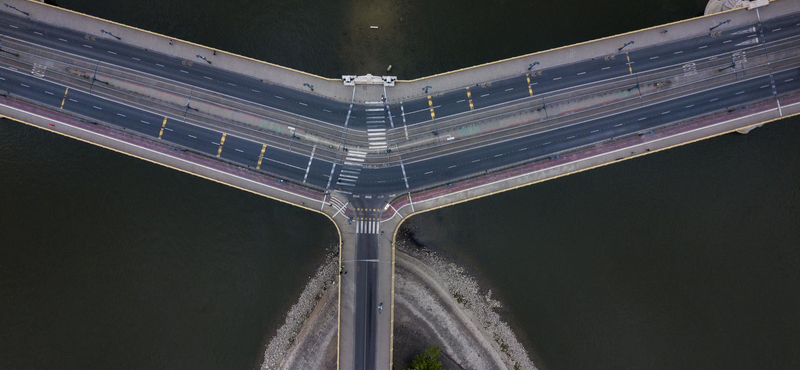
{"points": [[279, 97], [48, 93], [96, 107], [428, 173], [740, 92], [87, 46], [160, 65], [325, 110], [665, 112], [239, 150], [111, 52], [63, 40], [591, 132], [484, 95], [789, 80], [557, 78], [678, 52], [511, 88], [604, 68], [475, 161], [617, 125], [120, 114], [653, 58], [303, 104], [689, 106], [145, 122], [703, 47], [136, 59], [727, 41], [73, 100], [193, 137], [232, 84], [24, 85], [775, 30], [184, 71], [12, 26], [642, 119], [571, 137], [460, 101], [41, 34], [454, 166], [207, 78], [582, 73], [715, 99]]}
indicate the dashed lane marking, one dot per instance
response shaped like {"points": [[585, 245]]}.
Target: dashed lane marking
{"points": [[63, 100], [430, 105]]}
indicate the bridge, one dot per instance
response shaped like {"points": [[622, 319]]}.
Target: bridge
{"points": [[370, 151]]}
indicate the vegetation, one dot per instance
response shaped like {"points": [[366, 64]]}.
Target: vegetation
{"points": [[429, 360]]}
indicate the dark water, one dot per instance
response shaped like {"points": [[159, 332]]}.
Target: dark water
{"points": [[683, 259]]}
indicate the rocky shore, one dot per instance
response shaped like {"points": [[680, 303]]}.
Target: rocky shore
{"points": [[436, 302]]}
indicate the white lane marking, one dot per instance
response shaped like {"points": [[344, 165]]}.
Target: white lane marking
{"points": [[279, 97], [689, 106], [62, 39], [111, 52], [454, 166], [775, 30], [96, 107], [667, 112], [591, 132], [232, 84], [617, 125], [374, 110], [349, 176], [73, 100], [192, 136], [703, 47], [12, 26], [207, 78], [727, 41], [169, 129], [604, 68], [460, 101], [357, 153], [484, 95], [24, 85], [642, 119], [752, 36], [546, 143], [48, 93], [325, 110], [571, 137], [740, 92], [557, 78], [678, 52], [428, 173], [303, 104], [136, 59], [160, 65], [582, 73], [2, 79], [145, 122], [522, 149], [654, 58], [715, 99], [765, 86], [254, 90], [120, 114], [511, 88], [239, 150], [475, 161], [41, 34], [498, 155], [87, 46], [789, 80], [184, 71]]}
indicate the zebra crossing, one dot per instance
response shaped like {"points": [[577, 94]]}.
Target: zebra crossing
{"points": [[351, 169], [367, 227], [376, 128]]}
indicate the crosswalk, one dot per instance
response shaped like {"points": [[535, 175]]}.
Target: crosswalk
{"points": [[351, 169], [376, 128], [367, 227]]}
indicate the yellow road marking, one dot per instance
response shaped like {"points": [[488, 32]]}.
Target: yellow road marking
{"points": [[530, 89], [163, 124], [261, 156], [64, 99], [430, 104], [469, 96], [221, 143], [629, 63]]}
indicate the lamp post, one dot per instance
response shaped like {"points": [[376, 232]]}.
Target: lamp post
{"points": [[111, 34], [720, 23], [426, 88], [203, 58], [534, 64], [15, 8], [309, 86], [626, 44]]}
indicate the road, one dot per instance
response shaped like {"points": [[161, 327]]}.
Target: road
{"points": [[365, 169]]}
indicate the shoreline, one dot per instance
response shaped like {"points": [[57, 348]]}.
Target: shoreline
{"points": [[436, 302]]}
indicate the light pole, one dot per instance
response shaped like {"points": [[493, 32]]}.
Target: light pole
{"points": [[720, 23], [309, 86], [626, 44], [111, 34], [15, 8], [425, 89], [534, 64], [203, 58]]}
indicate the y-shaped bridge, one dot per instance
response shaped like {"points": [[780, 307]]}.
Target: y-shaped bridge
{"points": [[369, 152]]}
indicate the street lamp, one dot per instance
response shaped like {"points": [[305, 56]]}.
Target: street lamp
{"points": [[309, 86], [111, 34], [15, 8], [626, 44], [720, 23], [426, 89], [203, 58], [530, 66]]}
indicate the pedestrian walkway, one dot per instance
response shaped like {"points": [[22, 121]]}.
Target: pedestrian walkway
{"points": [[367, 227]]}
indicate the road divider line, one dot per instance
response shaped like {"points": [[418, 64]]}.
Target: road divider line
{"points": [[261, 156], [629, 62], [430, 104], [221, 143], [163, 124], [308, 168], [64, 99]]}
